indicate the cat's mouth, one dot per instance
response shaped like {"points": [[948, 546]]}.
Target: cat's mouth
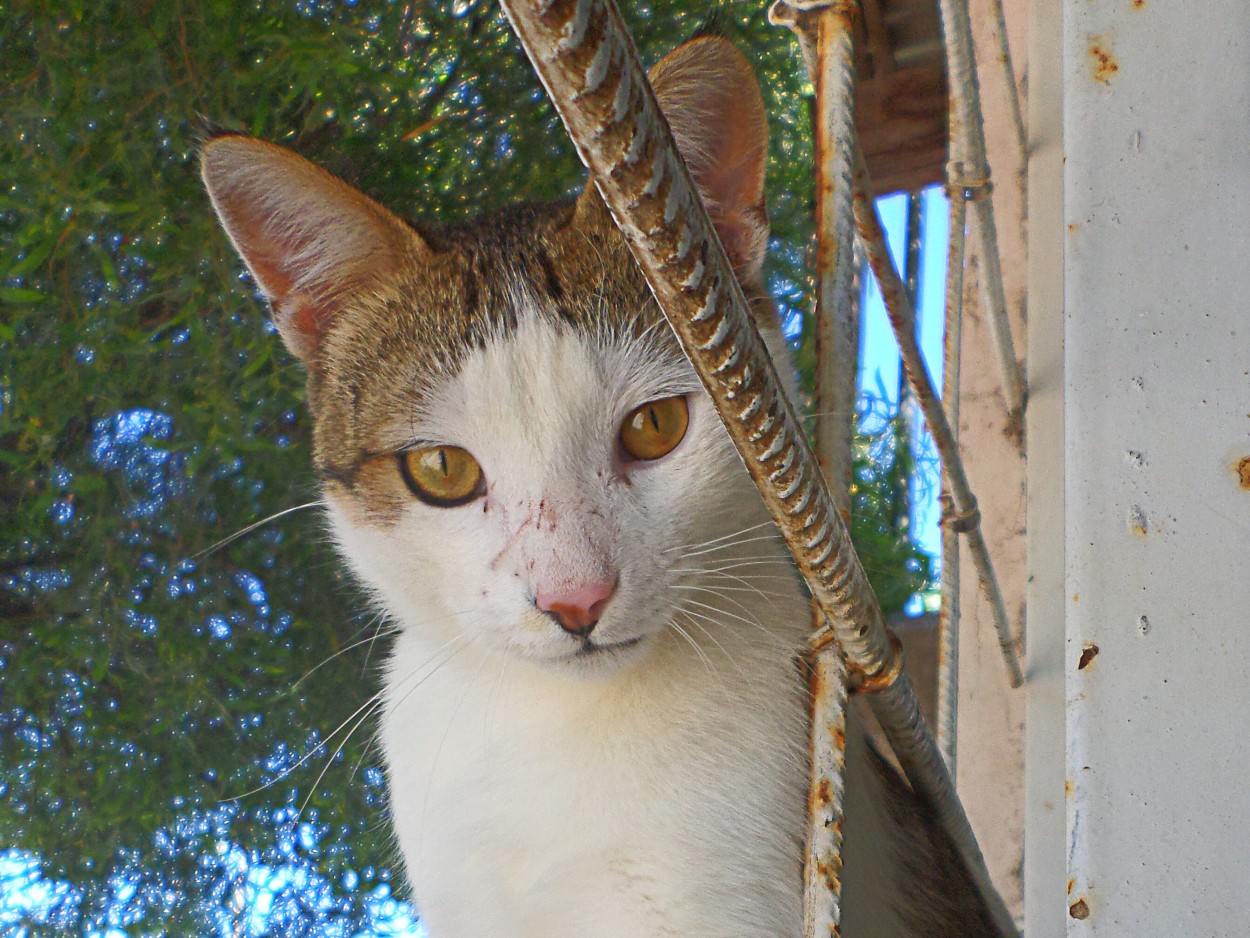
{"points": [[591, 649]]}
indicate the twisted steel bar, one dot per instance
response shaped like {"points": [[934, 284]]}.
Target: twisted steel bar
{"points": [[948, 617], [998, 32], [968, 136], [966, 518], [585, 57], [825, 30]]}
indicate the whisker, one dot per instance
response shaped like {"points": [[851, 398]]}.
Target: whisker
{"points": [[330, 761], [707, 662], [368, 704], [755, 623], [378, 632], [252, 527], [748, 540], [841, 412], [718, 591], [774, 641], [749, 577], [464, 644], [488, 715], [757, 562], [342, 651], [721, 592], [716, 540], [724, 651], [747, 584], [429, 786]]}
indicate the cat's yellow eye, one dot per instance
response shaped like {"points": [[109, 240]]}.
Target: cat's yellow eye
{"points": [[442, 475], [654, 429]]}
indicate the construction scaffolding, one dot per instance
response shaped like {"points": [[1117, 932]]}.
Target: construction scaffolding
{"points": [[586, 59]]}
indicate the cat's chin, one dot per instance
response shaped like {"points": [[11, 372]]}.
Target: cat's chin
{"points": [[596, 661]]}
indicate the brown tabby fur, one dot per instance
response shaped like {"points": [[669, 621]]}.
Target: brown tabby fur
{"points": [[374, 326]]}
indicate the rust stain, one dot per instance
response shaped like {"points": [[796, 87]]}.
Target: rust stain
{"points": [[1073, 227], [1105, 64], [1071, 883], [1079, 909], [1076, 597], [1067, 790], [824, 792], [1088, 654], [1137, 523], [1138, 4], [830, 874], [1243, 473]]}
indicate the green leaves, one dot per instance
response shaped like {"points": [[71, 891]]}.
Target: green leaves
{"points": [[20, 295], [119, 296]]}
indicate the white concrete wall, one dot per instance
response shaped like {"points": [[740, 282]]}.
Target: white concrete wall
{"points": [[991, 715], [1045, 845], [1155, 538]]}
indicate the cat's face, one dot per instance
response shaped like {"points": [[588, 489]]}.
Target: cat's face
{"points": [[512, 445], [564, 520]]}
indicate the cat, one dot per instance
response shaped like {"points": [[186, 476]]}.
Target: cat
{"points": [[594, 723]]}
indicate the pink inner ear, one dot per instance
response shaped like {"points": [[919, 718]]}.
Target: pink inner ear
{"points": [[708, 93], [308, 238]]}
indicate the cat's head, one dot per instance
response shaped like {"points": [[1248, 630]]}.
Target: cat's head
{"points": [[511, 442]]}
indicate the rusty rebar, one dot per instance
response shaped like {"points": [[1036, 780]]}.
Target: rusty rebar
{"points": [[948, 616], [825, 30], [966, 517], [998, 32], [826, 33], [585, 57], [968, 138]]}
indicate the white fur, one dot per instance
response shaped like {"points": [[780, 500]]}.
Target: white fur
{"points": [[654, 791]]}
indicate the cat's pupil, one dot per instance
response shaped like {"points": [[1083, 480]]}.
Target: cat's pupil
{"points": [[655, 419]]}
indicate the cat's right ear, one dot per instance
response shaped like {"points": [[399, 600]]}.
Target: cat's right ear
{"points": [[712, 102], [311, 241]]}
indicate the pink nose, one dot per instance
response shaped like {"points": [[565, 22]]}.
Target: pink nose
{"points": [[578, 609]]}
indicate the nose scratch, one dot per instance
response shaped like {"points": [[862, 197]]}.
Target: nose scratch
{"points": [[511, 542], [548, 513]]}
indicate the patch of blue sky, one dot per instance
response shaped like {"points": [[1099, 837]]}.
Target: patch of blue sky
{"points": [[931, 329], [880, 373], [245, 894], [28, 900]]}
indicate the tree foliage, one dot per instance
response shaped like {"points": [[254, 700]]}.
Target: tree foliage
{"points": [[148, 411]]}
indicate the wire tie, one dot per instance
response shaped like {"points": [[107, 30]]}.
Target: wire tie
{"points": [[961, 522], [859, 682], [969, 187]]}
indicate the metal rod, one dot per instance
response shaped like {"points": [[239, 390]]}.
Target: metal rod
{"points": [[825, 31], [967, 517], [826, 35], [585, 57], [948, 617], [968, 129], [822, 861], [908, 437], [998, 32]]}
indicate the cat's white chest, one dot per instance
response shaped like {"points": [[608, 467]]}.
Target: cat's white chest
{"points": [[528, 806]]}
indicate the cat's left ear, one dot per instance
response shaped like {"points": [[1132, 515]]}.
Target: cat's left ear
{"points": [[312, 242], [708, 92]]}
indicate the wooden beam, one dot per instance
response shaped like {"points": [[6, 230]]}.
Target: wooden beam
{"points": [[876, 57], [902, 118]]}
